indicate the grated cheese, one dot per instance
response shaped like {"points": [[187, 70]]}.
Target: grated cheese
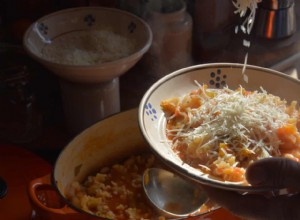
{"points": [[88, 47], [242, 7], [244, 118], [246, 43], [229, 130], [245, 76]]}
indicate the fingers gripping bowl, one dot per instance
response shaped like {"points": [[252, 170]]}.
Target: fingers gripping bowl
{"points": [[157, 124]]}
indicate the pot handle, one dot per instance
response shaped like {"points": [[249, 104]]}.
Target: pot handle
{"points": [[47, 203]]}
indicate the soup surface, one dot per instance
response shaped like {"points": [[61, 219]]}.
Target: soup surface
{"points": [[116, 192]]}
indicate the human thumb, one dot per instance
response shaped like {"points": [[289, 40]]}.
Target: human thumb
{"points": [[274, 173]]}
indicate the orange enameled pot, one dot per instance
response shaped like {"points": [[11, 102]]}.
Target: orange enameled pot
{"points": [[104, 143], [18, 166]]}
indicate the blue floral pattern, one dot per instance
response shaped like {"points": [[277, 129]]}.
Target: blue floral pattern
{"points": [[131, 27], [43, 28], [218, 79], [89, 19], [150, 111]]}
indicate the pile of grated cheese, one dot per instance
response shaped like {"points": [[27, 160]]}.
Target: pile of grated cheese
{"points": [[88, 47], [246, 122], [233, 118]]}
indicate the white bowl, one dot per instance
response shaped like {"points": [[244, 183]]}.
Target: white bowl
{"points": [[53, 26], [152, 120]]}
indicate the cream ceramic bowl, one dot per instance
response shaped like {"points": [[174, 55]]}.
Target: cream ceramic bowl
{"points": [[53, 26], [152, 121]]}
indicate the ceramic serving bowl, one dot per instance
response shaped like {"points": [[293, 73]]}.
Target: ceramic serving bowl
{"points": [[50, 28], [88, 48], [107, 142], [152, 120]]}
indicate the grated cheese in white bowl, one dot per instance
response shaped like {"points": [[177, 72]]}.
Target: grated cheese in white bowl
{"points": [[88, 47], [222, 131]]}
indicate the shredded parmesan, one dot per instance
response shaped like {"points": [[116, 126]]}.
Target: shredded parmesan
{"points": [[88, 47], [246, 43], [225, 130], [245, 77], [242, 7], [248, 119]]}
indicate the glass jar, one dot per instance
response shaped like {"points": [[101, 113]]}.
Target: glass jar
{"points": [[172, 26]]}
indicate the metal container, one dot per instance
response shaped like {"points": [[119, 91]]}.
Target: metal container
{"points": [[275, 19]]}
